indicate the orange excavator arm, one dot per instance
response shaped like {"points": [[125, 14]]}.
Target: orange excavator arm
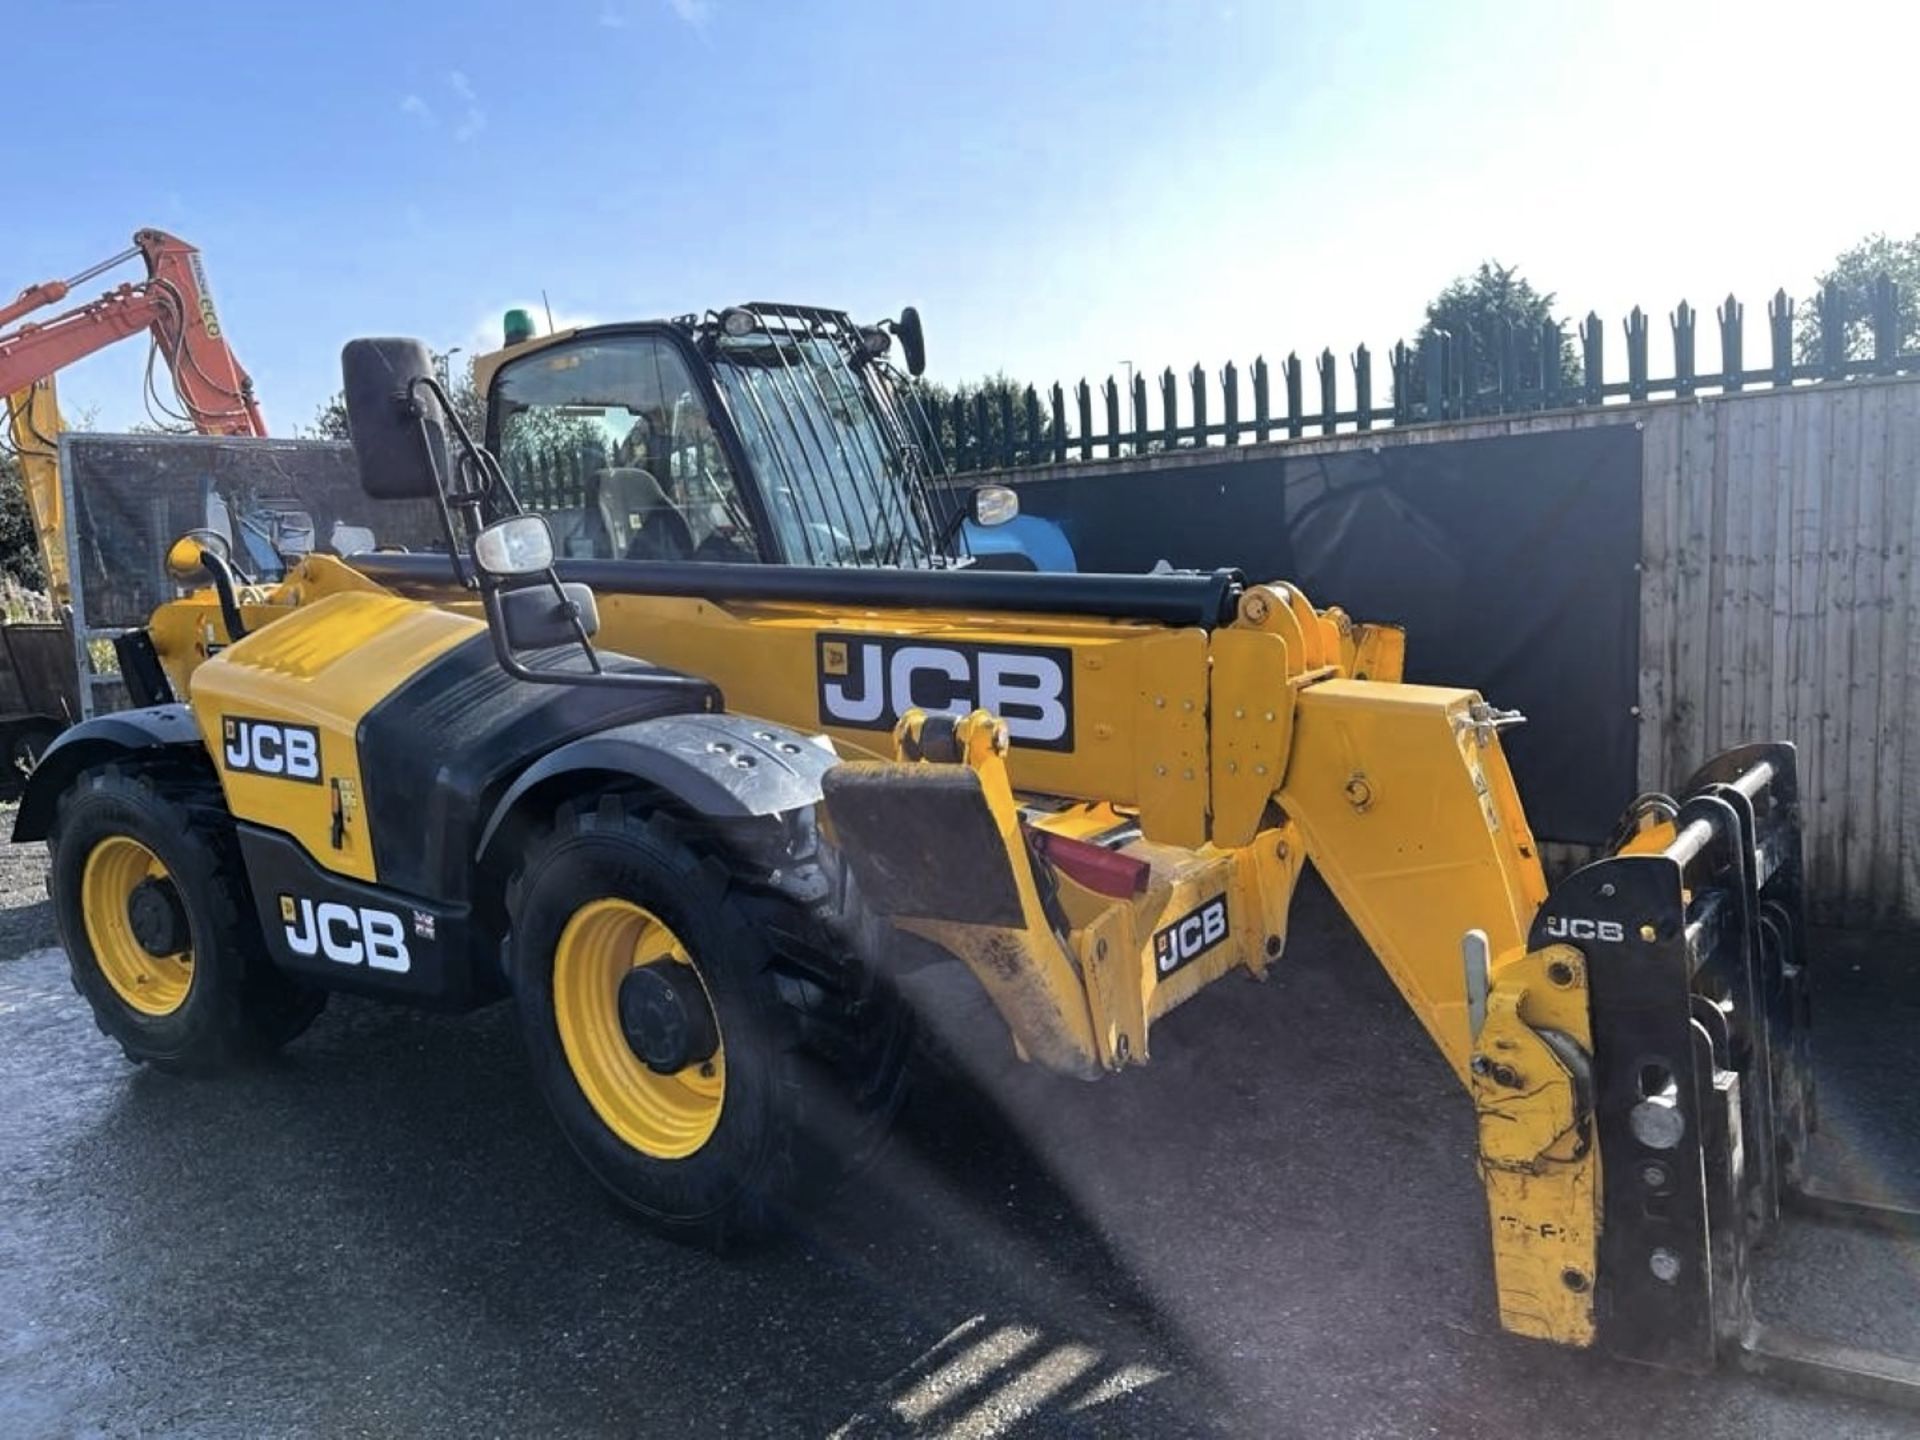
{"points": [[173, 306]]}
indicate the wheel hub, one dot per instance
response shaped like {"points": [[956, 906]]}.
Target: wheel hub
{"points": [[665, 1017], [157, 918]]}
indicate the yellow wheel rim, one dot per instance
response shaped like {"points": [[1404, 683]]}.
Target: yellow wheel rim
{"points": [[665, 1116], [151, 984]]}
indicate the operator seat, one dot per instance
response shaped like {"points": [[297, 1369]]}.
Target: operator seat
{"points": [[641, 522]]}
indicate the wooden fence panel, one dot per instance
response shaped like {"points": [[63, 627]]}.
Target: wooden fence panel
{"points": [[1778, 598], [1896, 846]]}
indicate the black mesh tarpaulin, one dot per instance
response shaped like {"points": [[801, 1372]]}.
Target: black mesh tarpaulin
{"points": [[1511, 560], [133, 495]]}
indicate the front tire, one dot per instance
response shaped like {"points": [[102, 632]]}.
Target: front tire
{"points": [[150, 899], [756, 1062]]}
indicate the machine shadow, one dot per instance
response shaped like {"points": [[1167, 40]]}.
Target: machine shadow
{"points": [[1243, 1237], [25, 928], [393, 1181]]}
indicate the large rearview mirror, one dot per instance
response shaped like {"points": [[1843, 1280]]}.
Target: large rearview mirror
{"points": [[385, 408]]}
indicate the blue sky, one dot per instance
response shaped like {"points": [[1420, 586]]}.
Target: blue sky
{"points": [[1059, 187]]}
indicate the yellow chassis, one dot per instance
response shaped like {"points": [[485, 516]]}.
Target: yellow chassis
{"points": [[1217, 762]]}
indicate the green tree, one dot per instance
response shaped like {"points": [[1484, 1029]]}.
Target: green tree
{"points": [[1851, 280], [983, 452], [1480, 302], [330, 420], [19, 547]]}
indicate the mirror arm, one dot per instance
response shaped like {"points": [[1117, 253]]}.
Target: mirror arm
{"points": [[950, 528], [226, 590], [473, 500], [573, 619], [447, 526], [497, 632], [493, 478]]}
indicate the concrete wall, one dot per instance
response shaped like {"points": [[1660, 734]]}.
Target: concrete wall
{"points": [[1778, 598]]}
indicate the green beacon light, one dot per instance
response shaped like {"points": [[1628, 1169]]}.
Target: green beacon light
{"points": [[516, 327]]}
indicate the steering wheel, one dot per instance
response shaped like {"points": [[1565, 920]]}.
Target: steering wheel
{"points": [[726, 547], [665, 536]]}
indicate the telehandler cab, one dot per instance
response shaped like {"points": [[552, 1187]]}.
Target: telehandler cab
{"points": [[1094, 792]]}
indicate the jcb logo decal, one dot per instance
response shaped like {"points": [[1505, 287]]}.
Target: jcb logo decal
{"points": [[1190, 937], [1560, 927], [266, 747], [348, 934], [868, 681]]}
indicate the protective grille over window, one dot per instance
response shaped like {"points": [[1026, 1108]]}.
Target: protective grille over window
{"points": [[847, 480]]}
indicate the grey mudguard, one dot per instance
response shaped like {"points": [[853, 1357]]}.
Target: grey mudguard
{"points": [[718, 765], [94, 742]]}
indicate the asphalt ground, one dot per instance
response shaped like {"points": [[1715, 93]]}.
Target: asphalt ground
{"points": [[1273, 1230]]}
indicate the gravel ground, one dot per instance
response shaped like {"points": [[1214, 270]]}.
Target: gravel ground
{"points": [[1274, 1230]]}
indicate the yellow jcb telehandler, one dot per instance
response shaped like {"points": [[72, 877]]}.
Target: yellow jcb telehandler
{"points": [[1093, 792]]}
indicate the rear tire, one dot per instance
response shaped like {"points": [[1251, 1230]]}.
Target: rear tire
{"points": [[217, 998], [811, 1051]]}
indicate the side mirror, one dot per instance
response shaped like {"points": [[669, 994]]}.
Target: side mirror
{"points": [[535, 617], [385, 409], [913, 340], [518, 546], [992, 504]]}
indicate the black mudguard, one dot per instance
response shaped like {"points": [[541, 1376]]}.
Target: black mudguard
{"points": [[94, 742], [723, 766]]}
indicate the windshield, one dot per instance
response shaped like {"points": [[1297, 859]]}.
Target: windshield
{"points": [[610, 440], [840, 482]]}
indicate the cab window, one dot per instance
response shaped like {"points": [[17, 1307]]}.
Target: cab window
{"points": [[610, 440]]}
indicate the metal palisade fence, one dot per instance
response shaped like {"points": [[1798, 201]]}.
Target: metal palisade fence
{"points": [[1444, 380]]}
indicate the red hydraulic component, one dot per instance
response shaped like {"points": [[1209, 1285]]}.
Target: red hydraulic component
{"points": [[1103, 871]]}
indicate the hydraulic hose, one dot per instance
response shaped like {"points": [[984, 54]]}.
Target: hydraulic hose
{"points": [[228, 591]]}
